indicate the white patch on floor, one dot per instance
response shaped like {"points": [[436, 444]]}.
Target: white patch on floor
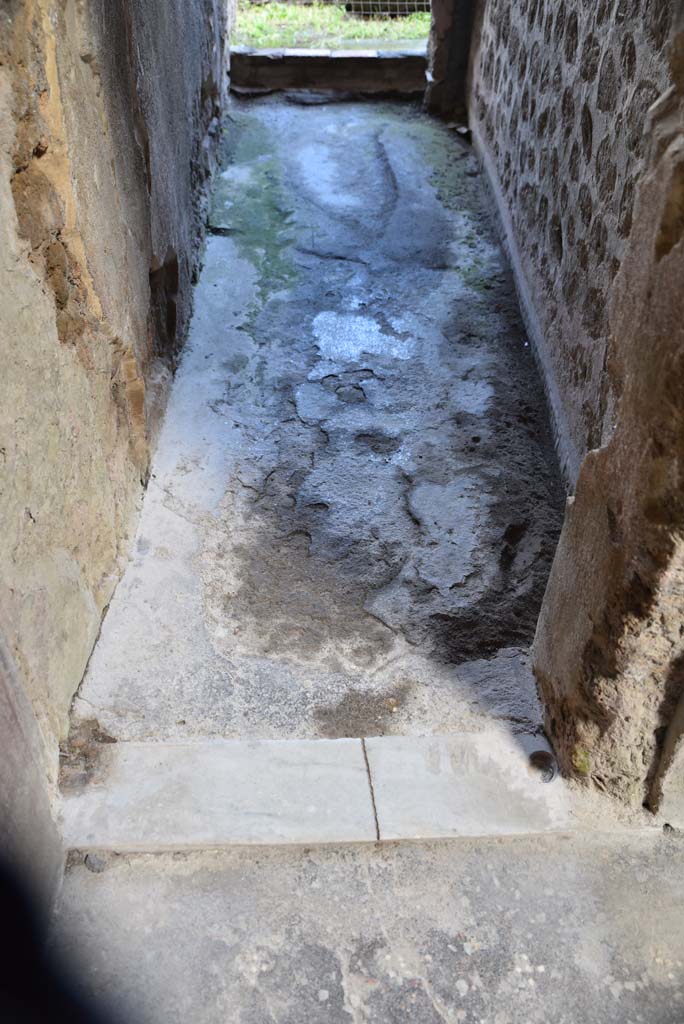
{"points": [[344, 336]]}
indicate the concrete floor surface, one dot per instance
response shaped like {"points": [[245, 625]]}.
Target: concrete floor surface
{"points": [[354, 501], [583, 930]]}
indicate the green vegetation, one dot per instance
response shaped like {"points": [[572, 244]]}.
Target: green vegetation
{"points": [[269, 25], [581, 761]]}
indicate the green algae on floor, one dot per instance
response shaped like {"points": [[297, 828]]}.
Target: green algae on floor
{"points": [[455, 176], [248, 202]]}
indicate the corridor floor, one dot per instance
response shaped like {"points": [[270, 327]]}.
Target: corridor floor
{"points": [[354, 501], [316, 662]]}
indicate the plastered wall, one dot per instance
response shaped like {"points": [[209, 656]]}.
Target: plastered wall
{"points": [[108, 125]]}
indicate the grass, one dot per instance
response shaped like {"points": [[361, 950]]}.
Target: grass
{"points": [[268, 25]]}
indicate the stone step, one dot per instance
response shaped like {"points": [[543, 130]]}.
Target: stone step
{"points": [[214, 793], [352, 71]]}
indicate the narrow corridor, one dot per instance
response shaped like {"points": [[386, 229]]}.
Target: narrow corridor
{"points": [[321, 639]]}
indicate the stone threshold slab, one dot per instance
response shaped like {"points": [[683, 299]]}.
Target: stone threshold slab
{"points": [[219, 792], [357, 72], [157, 796], [277, 52]]}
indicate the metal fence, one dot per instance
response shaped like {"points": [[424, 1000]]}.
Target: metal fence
{"points": [[359, 8], [382, 8]]}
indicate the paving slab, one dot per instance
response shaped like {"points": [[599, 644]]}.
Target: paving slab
{"points": [[145, 796], [465, 785], [156, 796], [544, 930]]}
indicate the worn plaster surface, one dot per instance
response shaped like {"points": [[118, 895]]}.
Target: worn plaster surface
{"points": [[354, 502], [347, 534], [503, 932]]}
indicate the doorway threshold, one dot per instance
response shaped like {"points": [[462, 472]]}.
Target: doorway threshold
{"points": [[400, 72]]}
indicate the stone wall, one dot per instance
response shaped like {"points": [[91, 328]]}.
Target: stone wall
{"points": [[108, 124], [577, 111], [560, 91], [609, 651]]}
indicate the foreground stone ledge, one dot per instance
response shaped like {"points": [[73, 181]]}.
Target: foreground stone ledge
{"points": [[547, 928]]}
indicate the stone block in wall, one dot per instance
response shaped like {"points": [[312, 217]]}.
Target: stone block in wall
{"points": [[451, 32]]}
